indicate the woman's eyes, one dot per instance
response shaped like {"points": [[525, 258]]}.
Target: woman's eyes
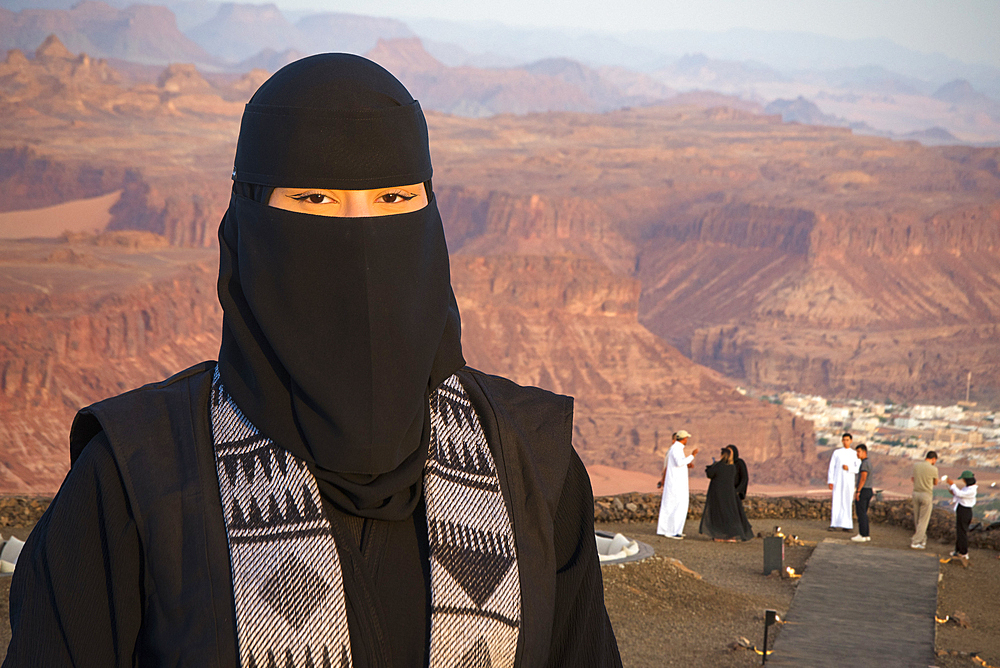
{"points": [[394, 198], [312, 198]]}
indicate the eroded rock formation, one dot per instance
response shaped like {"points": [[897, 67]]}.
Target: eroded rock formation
{"points": [[784, 256], [142, 33], [570, 325], [85, 319]]}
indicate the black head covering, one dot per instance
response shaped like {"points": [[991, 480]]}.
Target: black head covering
{"points": [[336, 121], [336, 329]]}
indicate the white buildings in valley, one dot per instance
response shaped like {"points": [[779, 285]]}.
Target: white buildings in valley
{"points": [[957, 433]]}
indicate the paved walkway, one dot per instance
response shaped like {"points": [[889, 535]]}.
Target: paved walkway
{"points": [[859, 605]]}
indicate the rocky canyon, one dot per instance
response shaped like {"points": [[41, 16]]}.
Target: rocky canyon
{"points": [[645, 260], [85, 318]]}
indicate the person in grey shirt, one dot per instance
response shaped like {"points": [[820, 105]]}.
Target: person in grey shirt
{"points": [[863, 494], [925, 476]]}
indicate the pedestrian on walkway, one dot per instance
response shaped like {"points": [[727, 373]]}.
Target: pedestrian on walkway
{"points": [[862, 494], [840, 478], [925, 476], [963, 498], [674, 503]]}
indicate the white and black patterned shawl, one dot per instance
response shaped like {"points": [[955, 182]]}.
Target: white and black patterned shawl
{"points": [[287, 580]]}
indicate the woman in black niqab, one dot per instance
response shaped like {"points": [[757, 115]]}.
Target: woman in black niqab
{"points": [[335, 330]]}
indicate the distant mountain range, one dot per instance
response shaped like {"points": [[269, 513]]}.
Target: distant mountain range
{"points": [[546, 85], [144, 34], [239, 31], [871, 86], [650, 50]]}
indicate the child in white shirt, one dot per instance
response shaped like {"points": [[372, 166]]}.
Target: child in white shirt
{"points": [[962, 500]]}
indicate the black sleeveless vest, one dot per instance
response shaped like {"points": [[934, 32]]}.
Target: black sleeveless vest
{"points": [[161, 440]]}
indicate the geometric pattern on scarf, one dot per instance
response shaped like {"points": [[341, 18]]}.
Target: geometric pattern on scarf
{"points": [[287, 581], [475, 588]]}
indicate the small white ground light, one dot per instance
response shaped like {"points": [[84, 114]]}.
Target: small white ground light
{"points": [[614, 548], [10, 550]]}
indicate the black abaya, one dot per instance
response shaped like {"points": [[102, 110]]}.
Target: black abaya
{"points": [[742, 478], [723, 516], [82, 594]]}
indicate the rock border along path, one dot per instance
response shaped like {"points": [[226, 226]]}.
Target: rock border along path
{"points": [[859, 605]]}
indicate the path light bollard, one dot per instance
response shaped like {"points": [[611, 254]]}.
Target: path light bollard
{"points": [[774, 554], [770, 617]]}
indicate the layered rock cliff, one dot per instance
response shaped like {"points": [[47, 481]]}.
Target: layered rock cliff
{"points": [[85, 319], [874, 303], [766, 251], [74, 131], [570, 325]]}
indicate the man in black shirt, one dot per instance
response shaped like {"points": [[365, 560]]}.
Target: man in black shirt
{"points": [[863, 494]]}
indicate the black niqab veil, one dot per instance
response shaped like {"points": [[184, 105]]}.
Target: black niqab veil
{"points": [[335, 330]]}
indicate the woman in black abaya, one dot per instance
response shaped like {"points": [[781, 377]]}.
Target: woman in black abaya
{"points": [[339, 489], [723, 518], [742, 475]]}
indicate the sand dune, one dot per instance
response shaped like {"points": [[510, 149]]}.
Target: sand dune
{"points": [[81, 215]]}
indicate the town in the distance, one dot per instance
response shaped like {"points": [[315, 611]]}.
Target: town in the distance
{"points": [[962, 434]]}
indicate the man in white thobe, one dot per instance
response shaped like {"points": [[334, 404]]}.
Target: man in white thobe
{"points": [[840, 478], [674, 504]]}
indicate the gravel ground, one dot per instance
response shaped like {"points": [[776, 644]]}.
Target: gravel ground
{"points": [[665, 617]]}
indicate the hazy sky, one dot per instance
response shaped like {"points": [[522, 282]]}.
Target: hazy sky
{"points": [[968, 30]]}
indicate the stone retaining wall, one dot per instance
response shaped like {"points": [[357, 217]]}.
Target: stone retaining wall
{"points": [[21, 511], [638, 507]]}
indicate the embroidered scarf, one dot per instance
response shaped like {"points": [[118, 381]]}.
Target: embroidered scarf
{"points": [[287, 580]]}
